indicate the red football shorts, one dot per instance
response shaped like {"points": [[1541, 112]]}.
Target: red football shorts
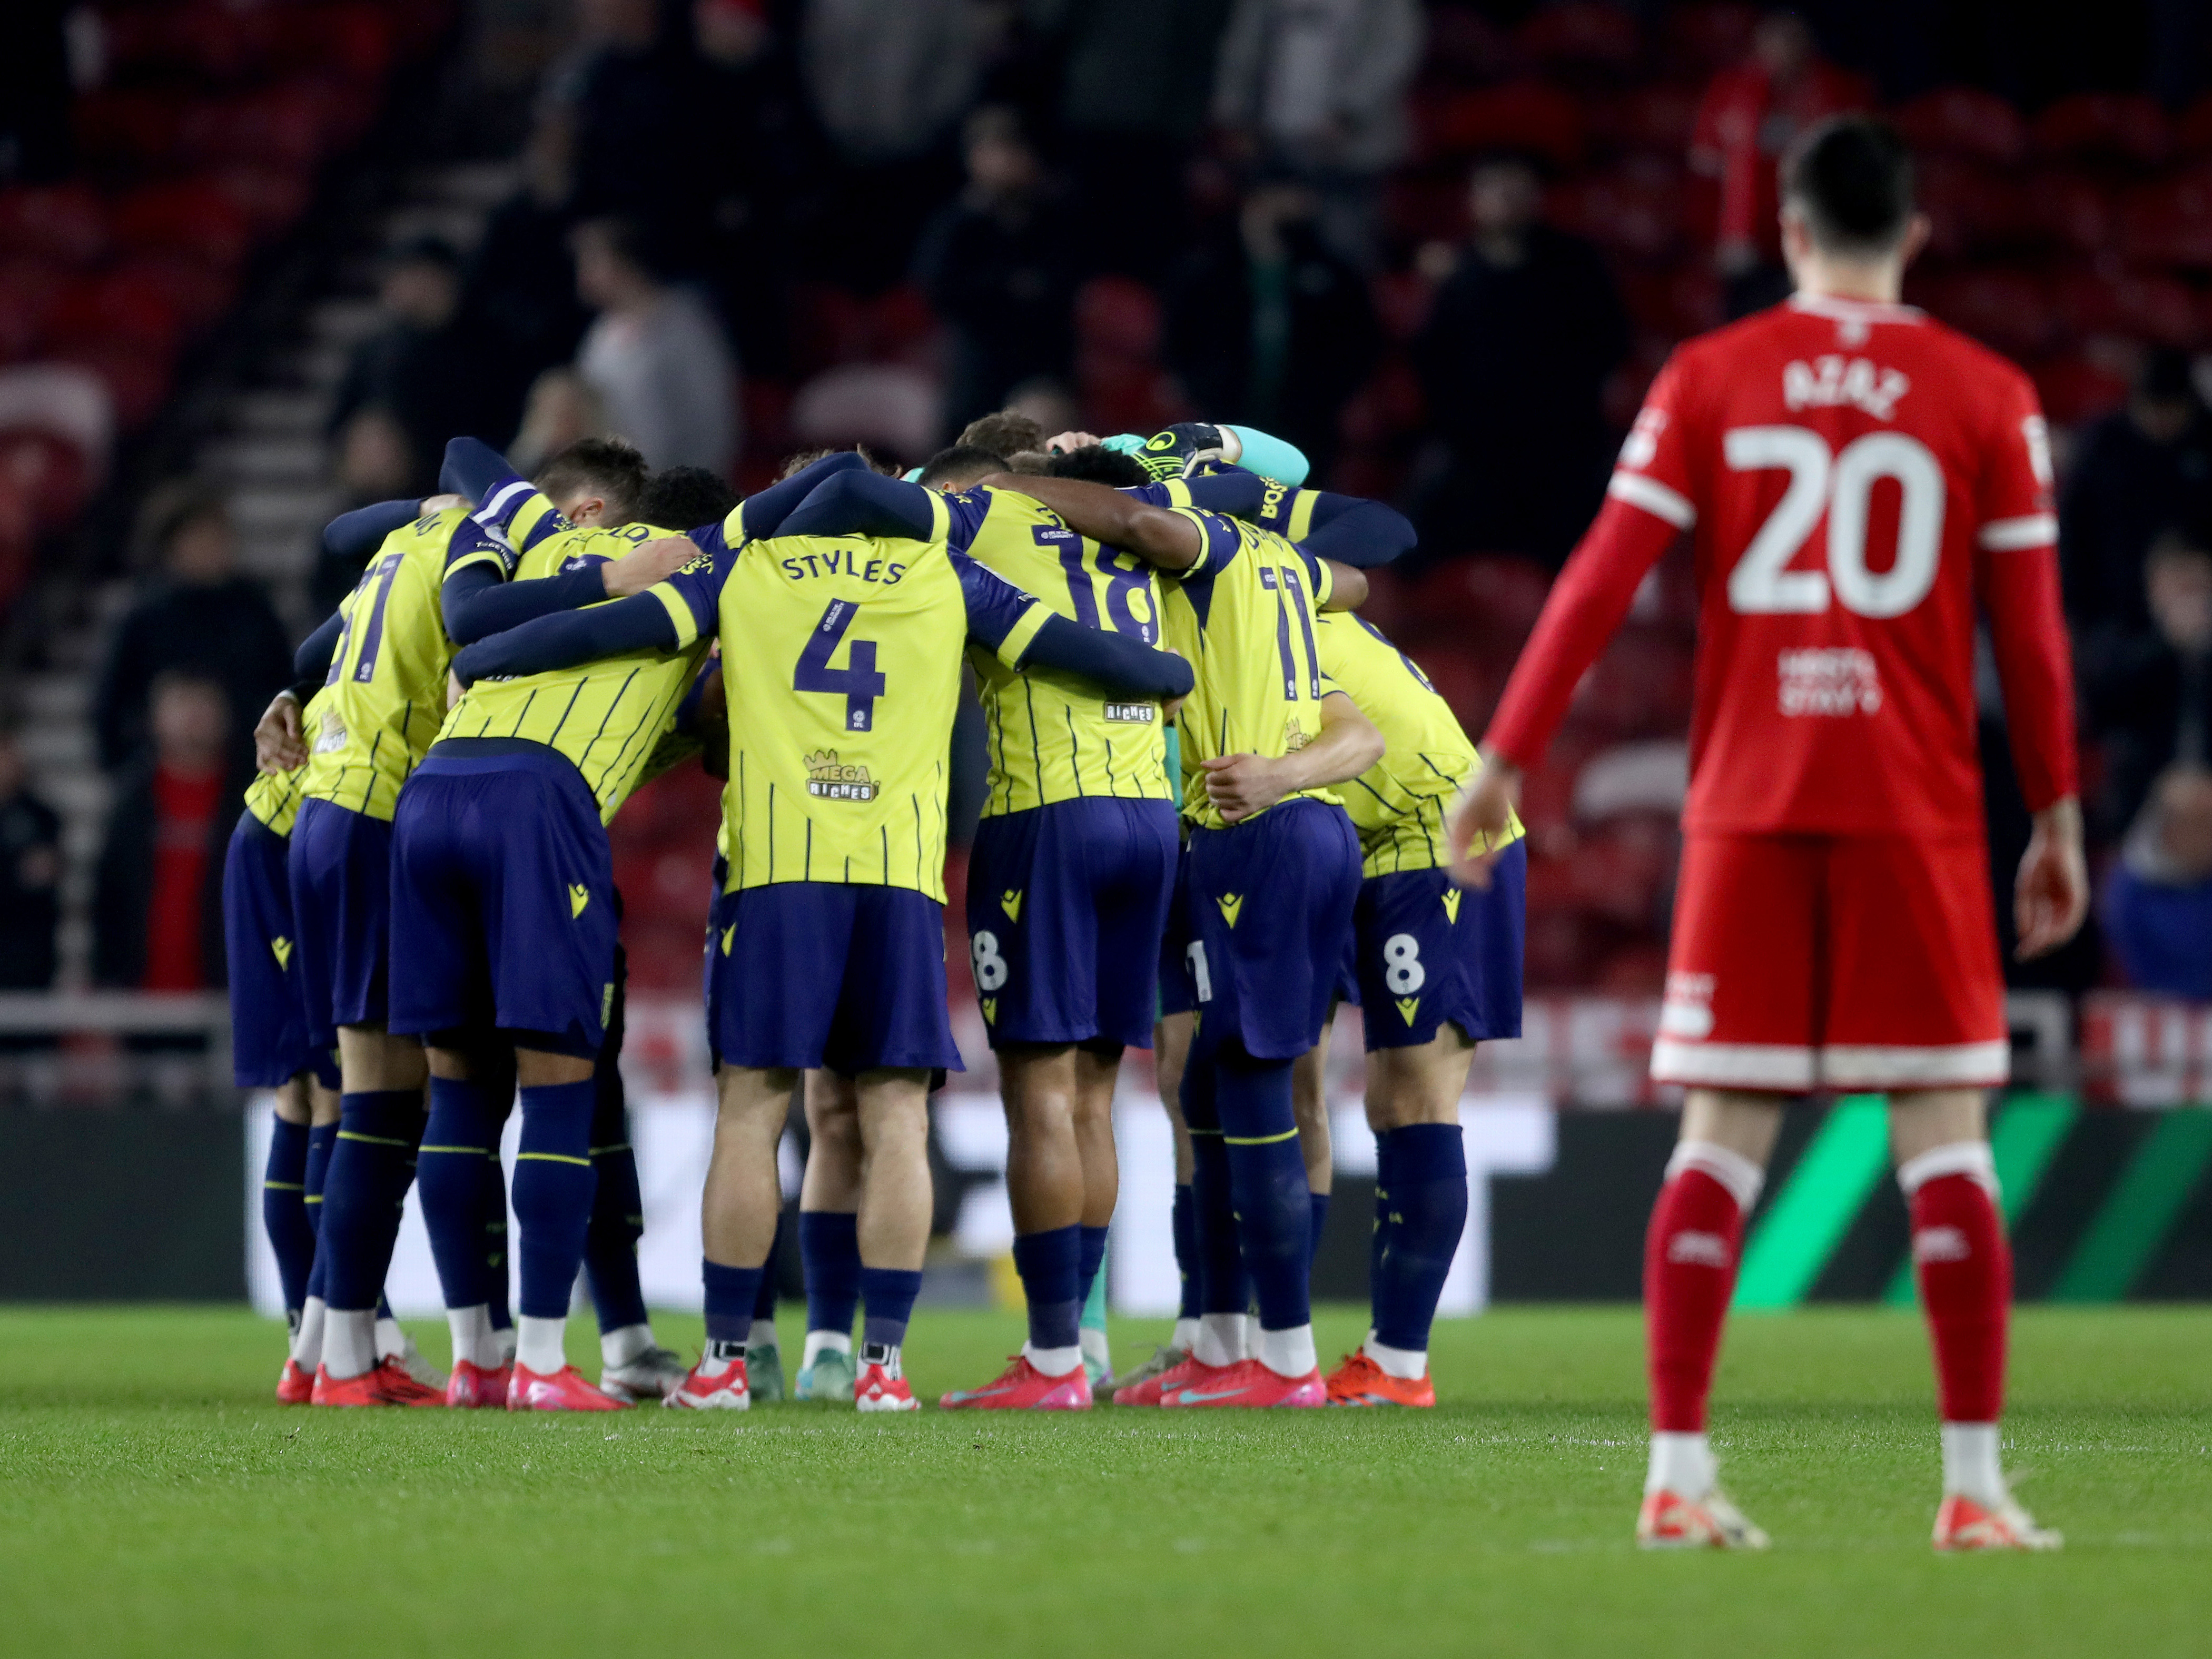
{"points": [[1833, 962]]}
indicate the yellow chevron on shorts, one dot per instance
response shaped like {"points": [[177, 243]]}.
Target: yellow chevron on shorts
{"points": [[728, 934], [1010, 902], [990, 1010], [579, 896], [1409, 1006], [1451, 898], [281, 948], [1230, 903]]}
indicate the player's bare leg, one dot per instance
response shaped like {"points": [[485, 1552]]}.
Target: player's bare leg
{"points": [[1309, 1108], [828, 1236], [1171, 1049], [896, 1204], [372, 1163], [1420, 1212], [738, 1214], [1940, 1141], [1690, 1257]]}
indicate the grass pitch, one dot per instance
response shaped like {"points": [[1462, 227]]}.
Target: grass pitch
{"points": [[154, 1499]]}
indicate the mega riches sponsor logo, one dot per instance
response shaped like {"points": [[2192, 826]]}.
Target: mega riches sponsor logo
{"points": [[829, 778], [1839, 680]]}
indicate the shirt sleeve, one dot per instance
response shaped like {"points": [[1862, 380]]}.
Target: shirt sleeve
{"points": [[693, 596], [1653, 471], [1000, 616], [474, 543], [2016, 577], [1220, 544]]}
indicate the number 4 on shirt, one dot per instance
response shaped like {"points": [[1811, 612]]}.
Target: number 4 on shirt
{"points": [[857, 684]]}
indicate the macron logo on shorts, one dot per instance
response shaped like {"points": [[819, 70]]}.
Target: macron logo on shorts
{"points": [[1451, 898], [1010, 902], [281, 948], [578, 898], [1230, 903], [1690, 1250]]}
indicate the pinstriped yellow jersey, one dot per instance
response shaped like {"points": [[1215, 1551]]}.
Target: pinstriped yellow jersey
{"points": [[1284, 509], [841, 659], [379, 711], [614, 718], [274, 797], [1398, 805], [1243, 615], [1051, 736]]}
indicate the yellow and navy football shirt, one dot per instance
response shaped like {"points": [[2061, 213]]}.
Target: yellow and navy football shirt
{"points": [[1049, 735], [1243, 615], [379, 710], [273, 798], [1398, 805], [841, 664], [613, 718], [1285, 510]]}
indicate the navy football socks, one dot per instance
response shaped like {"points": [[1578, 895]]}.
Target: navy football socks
{"points": [[317, 1173], [618, 1219], [1267, 1184], [830, 1254], [1426, 1212], [494, 1241], [1318, 1203], [284, 1210], [370, 1167], [731, 1293], [553, 1194], [1186, 1249], [462, 1133], [1050, 1266], [890, 1294]]}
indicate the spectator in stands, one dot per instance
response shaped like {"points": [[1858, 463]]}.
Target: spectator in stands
{"points": [[887, 83], [200, 617], [1136, 80], [1268, 327], [2158, 900], [656, 354], [157, 899], [30, 876], [2151, 700], [1513, 362], [2135, 472], [996, 264], [1749, 116], [520, 300], [419, 367], [1318, 87], [628, 91]]}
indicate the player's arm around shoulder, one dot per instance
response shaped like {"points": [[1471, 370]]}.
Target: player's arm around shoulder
{"points": [[1240, 786], [1169, 539]]}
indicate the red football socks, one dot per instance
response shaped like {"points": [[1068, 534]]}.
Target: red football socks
{"points": [[1689, 1274], [1965, 1267]]}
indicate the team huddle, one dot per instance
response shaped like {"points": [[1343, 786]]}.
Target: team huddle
{"points": [[1219, 803]]}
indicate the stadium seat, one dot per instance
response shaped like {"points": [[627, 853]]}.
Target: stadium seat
{"points": [[2061, 207], [272, 198], [1633, 211], [135, 380], [29, 289], [1963, 121], [1582, 39], [2128, 129], [50, 475], [1656, 119], [2074, 387], [2155, 308], [2003, 308], [2170, 223], [281, 126], [1956, 192], [1640, 687], [129, 306], [194, 216], [1701, 39], [1492, 600], [123, 130], [65, 224], [1118, 315], [1524, 115]]}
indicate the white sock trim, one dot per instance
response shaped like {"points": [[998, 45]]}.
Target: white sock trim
{"points": [[1682, 1464], [1971, 1464], [1055, 1362], [540, 1345], [1288, 1352], [1184, 1336], [391, 1342], [761, 1337], [1730, 1168], [473, 1341], [349, 1342], [1971, 1158], [821, 1342], [307, 1340], [1406, 1365], [625, 1343], [1220, 1340]]}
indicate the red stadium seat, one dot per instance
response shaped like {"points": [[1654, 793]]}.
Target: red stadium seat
{"points": [[67, 223], [1118, 315], [1582, 36], [2075, 387], [136, 380], [1657, 119], [2062, 208], [2130, 128], [2170, 223], [2157, 309], [194, 216], [1966, 204], [2001, 308], [1701, 39], [272, 198], [282, 127], [199, 292], [1489, 601], [127, 129], [1526, 115], [1634, 210], [29, 290], [2192, 133], [131, 305], [46, 472], [1640, 688], [1964, 121]]}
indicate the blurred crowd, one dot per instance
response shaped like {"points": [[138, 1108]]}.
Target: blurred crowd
{"points": [[1441, 248]]}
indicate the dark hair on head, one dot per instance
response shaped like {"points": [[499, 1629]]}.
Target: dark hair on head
{"points": [[612, 467], [1850, 176], [1005, 434], [634, 242], [2178, 543], [170, 508], [963, 464], [1096, 464], [680, 497]]}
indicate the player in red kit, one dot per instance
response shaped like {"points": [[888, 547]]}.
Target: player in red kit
{"points": [[1857, 480]]}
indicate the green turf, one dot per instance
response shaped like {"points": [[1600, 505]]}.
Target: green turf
{"points": [[154, 1500]]}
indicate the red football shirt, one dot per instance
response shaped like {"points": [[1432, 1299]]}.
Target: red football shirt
{"points": [[185, 807], [1854, 477]]}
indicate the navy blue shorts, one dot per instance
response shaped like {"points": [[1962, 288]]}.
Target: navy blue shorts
{"points": [[1425, 952], [1067, 905], [1269, 903], [340, 874], [269, 1042], [1176, 996], [834, 973], [503, 907]]}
